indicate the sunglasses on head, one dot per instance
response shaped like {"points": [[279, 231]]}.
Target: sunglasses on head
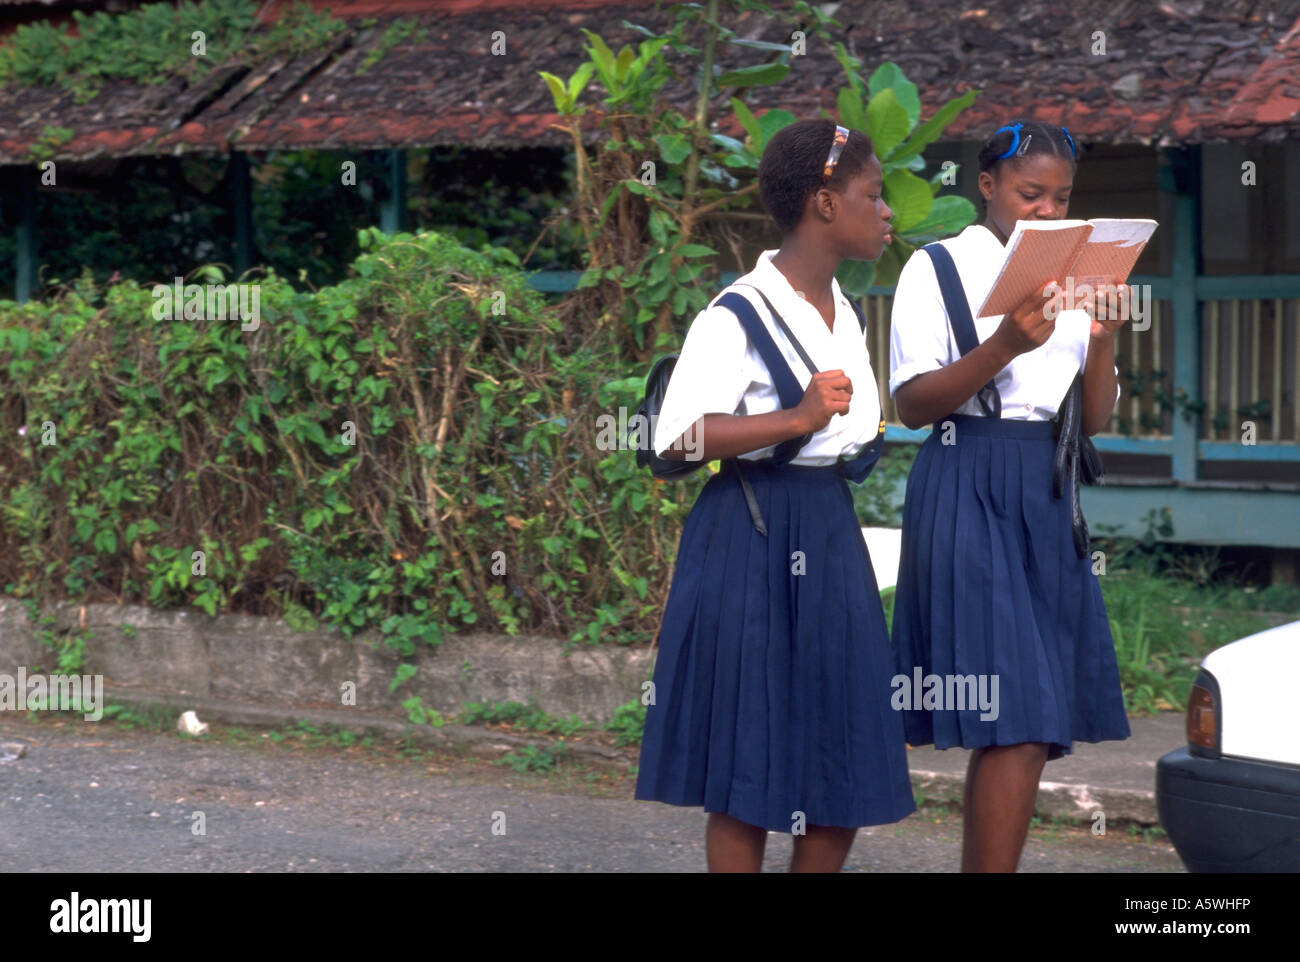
{"points": [[837, 148], [1019, 148]]}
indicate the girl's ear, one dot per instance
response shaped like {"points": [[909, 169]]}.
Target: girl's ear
{"points": [[822, 203], [986, 184]]}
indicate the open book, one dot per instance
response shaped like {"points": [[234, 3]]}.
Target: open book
{"points": [[1093, 252]]}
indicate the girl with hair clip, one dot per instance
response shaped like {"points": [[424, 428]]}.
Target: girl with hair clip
{"points": [[771, 688], [991, 580]]}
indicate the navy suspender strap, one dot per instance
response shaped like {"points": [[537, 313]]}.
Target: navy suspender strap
{"points": [[787, 385], [787, 388], [789, 391], [785, 329], [859, 466], [963, 325], [1075, 457]]}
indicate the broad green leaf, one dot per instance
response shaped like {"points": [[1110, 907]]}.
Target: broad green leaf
{"points": [[948, 215], [855, 277], [759, 44], [696, 250], [659, 268], [622, 63], [603, 57], [579, 80], [756, 76], [852, 113], [558, 93], [748, 122], [909, 197], [649, 49], [932, 129], [658, 225], [771, 122], [886, 122], [891, 262], [889, 76], [730, 144], [674, 148]]}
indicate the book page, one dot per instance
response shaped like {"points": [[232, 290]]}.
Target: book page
{"points": [[1038, 251], [1111, 251]]}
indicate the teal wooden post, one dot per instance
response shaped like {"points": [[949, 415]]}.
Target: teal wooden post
{"points": [[1180, 174], [25, 259], [392, 210], [241, 202]]}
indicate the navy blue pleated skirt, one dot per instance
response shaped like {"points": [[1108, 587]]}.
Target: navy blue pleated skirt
{"points": [[989, 584], [772, 684]]}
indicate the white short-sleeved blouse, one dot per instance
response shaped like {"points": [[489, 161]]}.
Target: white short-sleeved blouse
{"points": [[1033, 385], [720, 372]]}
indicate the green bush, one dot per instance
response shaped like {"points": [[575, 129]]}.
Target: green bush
{"points": [[473, 492]]}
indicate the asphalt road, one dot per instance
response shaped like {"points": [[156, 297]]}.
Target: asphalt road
{"points": [[97, 797]]}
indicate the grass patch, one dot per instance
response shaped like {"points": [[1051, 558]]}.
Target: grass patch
{"points": [[520, 717], [1164, 626]]}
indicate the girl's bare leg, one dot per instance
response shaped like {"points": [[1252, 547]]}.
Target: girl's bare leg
{"points": [[823, 849], [1001, 787], [732, 845]]}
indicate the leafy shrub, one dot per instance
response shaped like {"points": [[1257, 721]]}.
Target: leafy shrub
{"points": [[195, 463]]}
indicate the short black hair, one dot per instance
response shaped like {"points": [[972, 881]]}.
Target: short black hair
{"points": [[1035, 138], [792, 165]]}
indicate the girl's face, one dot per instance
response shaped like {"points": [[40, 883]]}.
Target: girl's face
{"points": [[1036, 188], [861, 224]]}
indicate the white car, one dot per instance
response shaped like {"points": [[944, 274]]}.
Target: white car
{"points": [[1230, 800]]}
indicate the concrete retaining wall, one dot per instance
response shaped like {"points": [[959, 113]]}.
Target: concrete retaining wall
{"points": [[263, 661]]}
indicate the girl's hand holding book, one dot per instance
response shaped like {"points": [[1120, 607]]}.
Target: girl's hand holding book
{"points": [[1028, 326], [1108, 309]]}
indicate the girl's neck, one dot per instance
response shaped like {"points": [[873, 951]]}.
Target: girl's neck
{"points": [[809, 271], [993, 228]]}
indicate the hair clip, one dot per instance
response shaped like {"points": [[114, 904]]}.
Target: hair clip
{"points": [[1073, 151], [837, 148], [1019, 149], [1015, 140]]}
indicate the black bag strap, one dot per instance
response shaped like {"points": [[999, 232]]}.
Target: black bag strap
{"points": [[785, 329], [862, 318], [963, 325]]}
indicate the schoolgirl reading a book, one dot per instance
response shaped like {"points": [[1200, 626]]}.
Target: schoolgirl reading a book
{"points": [[991, 583]]}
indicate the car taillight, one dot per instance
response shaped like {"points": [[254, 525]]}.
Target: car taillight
{"points": [[1202, 719]]}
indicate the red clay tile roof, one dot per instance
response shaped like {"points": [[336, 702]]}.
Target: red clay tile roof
{"points": [[1174, 72]]}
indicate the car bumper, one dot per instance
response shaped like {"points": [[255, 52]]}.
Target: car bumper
{"points": [[1229, 814]]}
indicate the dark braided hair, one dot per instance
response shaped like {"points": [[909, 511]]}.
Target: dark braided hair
{"points": [[792, 165], [1035, 138]]}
